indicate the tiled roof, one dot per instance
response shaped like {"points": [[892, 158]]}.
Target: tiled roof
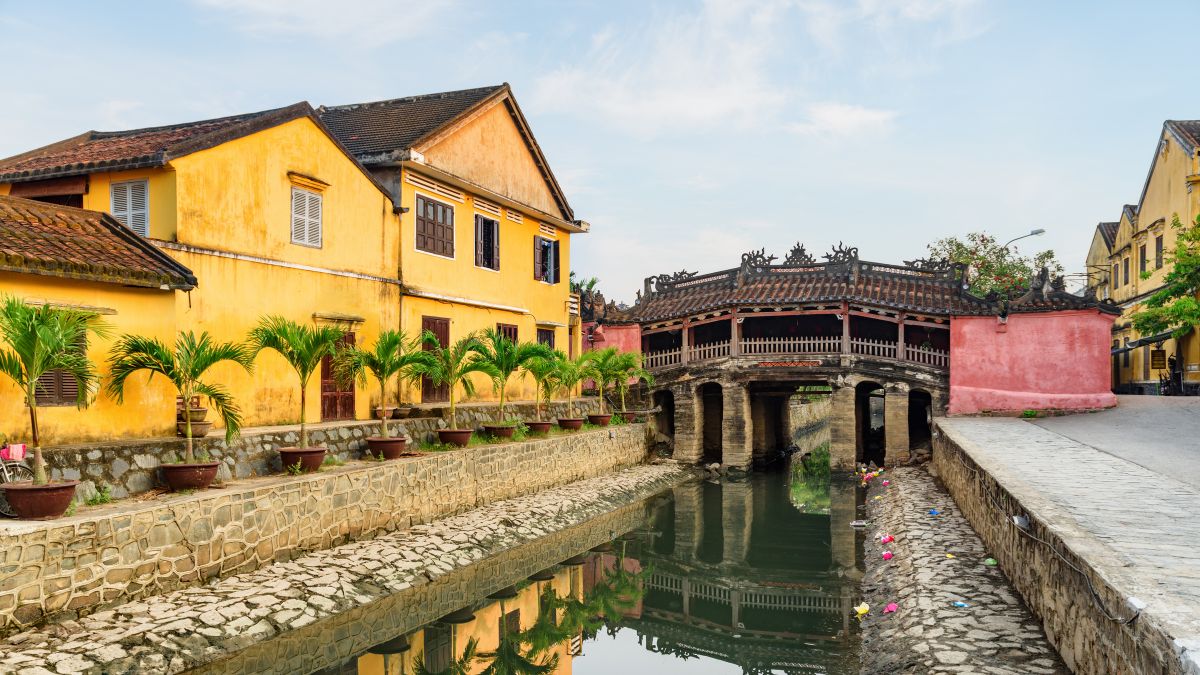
{"points": [[1130, 211], [1187, 131], [61, 241], [138, 148], [1108, 231], [383, 129]]}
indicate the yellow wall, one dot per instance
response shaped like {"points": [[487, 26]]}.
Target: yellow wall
{"points": [[149, 408], [162, 196], [1098, 266]]}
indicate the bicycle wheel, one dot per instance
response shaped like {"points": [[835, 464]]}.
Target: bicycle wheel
{"points": [[17, 473]]}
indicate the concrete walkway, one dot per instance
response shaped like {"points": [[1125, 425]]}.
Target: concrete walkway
{"points": [[1160, 433], [1137, 527]]}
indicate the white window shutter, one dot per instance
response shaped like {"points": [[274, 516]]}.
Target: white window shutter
{"points": [[131, 205], [299, 213], [314, 219], [306, 217]]}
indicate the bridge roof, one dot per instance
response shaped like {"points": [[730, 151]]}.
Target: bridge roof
{"points": [[919, 286]]}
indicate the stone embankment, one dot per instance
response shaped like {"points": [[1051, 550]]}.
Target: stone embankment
{"points": [[140, 548], [286, 617], [990, 631]]}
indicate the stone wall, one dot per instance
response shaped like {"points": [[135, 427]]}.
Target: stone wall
{"points": [[1055, 592], [129, 468], [803, 416], [135, 549]]}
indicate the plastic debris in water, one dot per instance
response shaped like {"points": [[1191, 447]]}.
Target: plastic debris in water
{"points": [[858, 523], [990, 562], [934, 512], [887, 483], [887, 555], [950, 555], [891, 608], [878, 497], [886, 539], [862, 610], [959, 603]]}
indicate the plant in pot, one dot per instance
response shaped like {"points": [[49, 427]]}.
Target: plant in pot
{"points": [[452, 366], [544, 370], [628, 367], [387, 358], [407, 376], [184, 367], [603, 367], [39, 340], [303, 347], [568, 376], [505, 356]]}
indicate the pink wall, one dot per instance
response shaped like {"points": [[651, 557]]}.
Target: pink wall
{"points": [[625, 337], [1035, 361]]}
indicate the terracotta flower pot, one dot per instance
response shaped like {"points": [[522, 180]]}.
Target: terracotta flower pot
{"points": [[600, 420], [39, 502], [390, 448], [196, 414], [310, 459], [570, 423], [459, 437], [199, 429], [385, 412], [628, 416], [499, 430], [196, 476], [402, 412], [539, 428]]}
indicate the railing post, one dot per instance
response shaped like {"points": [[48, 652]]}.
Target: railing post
{"points": [[685, 343], [900, 351], [845, 328], [735, 336]]}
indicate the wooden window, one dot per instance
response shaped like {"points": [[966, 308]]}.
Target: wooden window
{"points": [[487, 242], [1158, 252], [56, 388], [1142, 259], [1125, 267], [545, 260], [511, 624], [131, 205], [440, 327], [508, 330], [435, 227], [1116, 276], [545, 336], [306, 217]]}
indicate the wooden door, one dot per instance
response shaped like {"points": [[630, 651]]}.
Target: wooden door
{"points": [[337, 403], [441, 330]]}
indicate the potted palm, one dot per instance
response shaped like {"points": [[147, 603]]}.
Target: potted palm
{"points": [[569, 374], [603, 367], [544, 370], [628, 366], [452, 366], [388, 358], [505, 357], [406, 377], [303, 347], [183, 366], [39, 340]]}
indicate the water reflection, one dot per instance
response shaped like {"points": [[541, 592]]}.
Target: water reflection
{"points": [[729, 577]]}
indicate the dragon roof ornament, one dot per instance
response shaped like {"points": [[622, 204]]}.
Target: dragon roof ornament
{"points": [[799, 256], [842, 254]]}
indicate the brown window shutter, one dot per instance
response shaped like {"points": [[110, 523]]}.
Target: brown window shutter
{"points": [[539, 265], [554, 269], [48, 390], [496, 244], [68, 389], [479, 225]]}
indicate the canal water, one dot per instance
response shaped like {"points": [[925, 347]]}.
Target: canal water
{"points": [[757, 575]]}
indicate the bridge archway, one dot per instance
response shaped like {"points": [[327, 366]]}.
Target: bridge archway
{"points": [[920, 418], [712, 414], [664, 421], [870, 437]]}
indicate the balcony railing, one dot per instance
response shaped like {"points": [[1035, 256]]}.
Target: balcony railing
{"points": [[795, 346]]}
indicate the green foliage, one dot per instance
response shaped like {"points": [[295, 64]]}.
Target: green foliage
{"points": [[392, 355], [1174, 307], [1029, 414], [453, 365], [991, 266], [460, 666], [810, 481], [544, 370], [611, 367], [294, 469], [184, 367], [568, 375], [332, 460], [102, 496], [302, 346], [505, 357], [38, 340]]}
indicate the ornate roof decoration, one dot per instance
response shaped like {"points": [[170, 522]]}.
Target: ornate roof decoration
{"points": [[842, 254], [798, 256], [929, 264], [756, 259]]}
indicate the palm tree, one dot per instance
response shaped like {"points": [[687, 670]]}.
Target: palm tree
{"points": [[508, 658], [547, 630], [183, 366], [40, 340], [605, 369], [302, 346], [569, 374], [460, 666], [506, 357], [628, 366], [544, 369], [391, 355], [453, 366]]}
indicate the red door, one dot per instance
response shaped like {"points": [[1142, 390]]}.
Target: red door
{"points": [[337, 403], [441, 330]]}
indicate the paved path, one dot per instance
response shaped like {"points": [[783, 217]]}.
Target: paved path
{"points": [[928, 633], [1136, 527], [1160, 433]]}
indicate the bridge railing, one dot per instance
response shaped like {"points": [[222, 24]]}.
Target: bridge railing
{"points": [[709, 350], [797, 346], [791, 345], [927, 356], [662, 359], [868, 347]]}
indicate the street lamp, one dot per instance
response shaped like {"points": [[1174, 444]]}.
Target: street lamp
{"points": [[1032, 233]]}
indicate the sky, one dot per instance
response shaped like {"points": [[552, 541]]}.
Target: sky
{"points": [[686, 133]]}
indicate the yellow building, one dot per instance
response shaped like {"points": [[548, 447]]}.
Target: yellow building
{"points": [[486, 227], [271, 214], [1136, 262]]}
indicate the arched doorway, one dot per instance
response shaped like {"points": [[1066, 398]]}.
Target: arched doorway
{"points": [[712, 416], [870, 436], [664, 421], [920, 419]]}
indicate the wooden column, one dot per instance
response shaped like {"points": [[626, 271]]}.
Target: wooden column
{"points": [[735, 336], [845, 328], [900, 351], [685, 342]]}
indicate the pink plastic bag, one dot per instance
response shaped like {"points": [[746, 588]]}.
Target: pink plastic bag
{"points": [[15, 452]]}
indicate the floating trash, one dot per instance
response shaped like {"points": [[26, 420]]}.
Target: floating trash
{"points": [[862, 610], [887, 483], [934, 512], [959, 603], [858, 523], [887, 555], [950, 555], [878, 497], [886, 539], [891, 608], [990, 562]]}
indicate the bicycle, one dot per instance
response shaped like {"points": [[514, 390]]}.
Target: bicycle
{"points": [[11, 471]]}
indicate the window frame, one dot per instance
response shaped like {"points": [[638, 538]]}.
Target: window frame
{"points": [[418, 198], [1125, 269], [481, 254], [112, 202], [510, 331], [544, 332], [1158, 252], [554, 269], [308, 194], [1142, 260]]}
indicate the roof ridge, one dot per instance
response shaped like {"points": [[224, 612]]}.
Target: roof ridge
{"points": [[412, 99], [94, 134]]}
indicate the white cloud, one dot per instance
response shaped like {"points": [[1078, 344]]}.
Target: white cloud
{"points": [[843, 119], [369, 23]]}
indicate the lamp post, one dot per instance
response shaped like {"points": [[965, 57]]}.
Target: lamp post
{"points": [[1032, 233]]}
